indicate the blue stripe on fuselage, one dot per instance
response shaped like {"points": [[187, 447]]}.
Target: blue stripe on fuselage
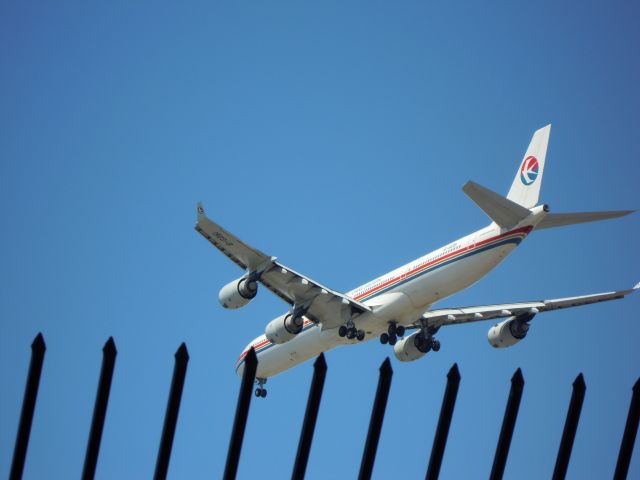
{"points": [[515, 241]]}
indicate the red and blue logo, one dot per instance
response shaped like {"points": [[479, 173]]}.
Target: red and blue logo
{"points": [[529, 170]]}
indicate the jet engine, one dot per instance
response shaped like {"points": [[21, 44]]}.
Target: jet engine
{"points": [[510, 331], [412, 348], [283, 328], [238, 293]]}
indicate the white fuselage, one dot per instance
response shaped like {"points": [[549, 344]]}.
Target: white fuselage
{"points": [[402, 295]]}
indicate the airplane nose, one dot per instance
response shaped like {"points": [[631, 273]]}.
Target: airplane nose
{"points": [[258, 344], [240, 362], [240, 367]]}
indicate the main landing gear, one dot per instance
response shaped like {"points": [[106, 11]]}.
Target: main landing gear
{"points": [[350, 331], [427, 343], [261, 391], [391, 335], [424, 341]]}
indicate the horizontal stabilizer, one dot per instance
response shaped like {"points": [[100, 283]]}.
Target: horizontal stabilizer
{"points": [[501, 210], [561, 219]]}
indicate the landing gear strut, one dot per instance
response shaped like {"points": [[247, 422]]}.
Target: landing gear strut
{"points": [[391, 335], [261, 391], [350, 331], [425, 340]]}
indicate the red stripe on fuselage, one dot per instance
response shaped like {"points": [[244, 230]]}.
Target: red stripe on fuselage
{"points": [[524, 230]]}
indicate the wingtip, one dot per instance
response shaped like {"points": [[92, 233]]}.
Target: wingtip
{"points": [[636, 286], [468, 185], [200, 210]]}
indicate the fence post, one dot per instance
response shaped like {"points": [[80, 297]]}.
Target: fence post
{"points": [[242, 412], [508, 424], [570, 428], [444, 422], [629, 435], [310, 417], [38, 348], [109, 353], [377, 416], [171, 417]]}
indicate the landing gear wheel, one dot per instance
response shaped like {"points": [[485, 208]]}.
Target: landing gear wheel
{"points": [[392, 340], [342, 331], [400, 331], [360, 335], [422, 344], [384, 338], [435, 345], [392, 329], [258, 392], [351, 333], [263, 393]]}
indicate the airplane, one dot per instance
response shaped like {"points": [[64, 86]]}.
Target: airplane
{"points": [[320, 319]]}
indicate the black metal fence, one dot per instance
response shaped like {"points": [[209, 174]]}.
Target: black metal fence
{"points": [[38, 348]]}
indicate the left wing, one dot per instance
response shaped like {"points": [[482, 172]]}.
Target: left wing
{"points": [[452, 316], [319, 303]]}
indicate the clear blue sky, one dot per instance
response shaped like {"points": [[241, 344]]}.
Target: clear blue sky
{"points": [[335, 135]]}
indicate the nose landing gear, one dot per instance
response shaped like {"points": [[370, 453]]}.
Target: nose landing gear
{"points": [[261, 392]]}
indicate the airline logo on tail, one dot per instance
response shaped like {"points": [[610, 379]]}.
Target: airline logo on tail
{"points": [[529, 170]]}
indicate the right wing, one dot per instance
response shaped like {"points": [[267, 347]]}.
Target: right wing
{"points": [[453, 316], [320, 303]]}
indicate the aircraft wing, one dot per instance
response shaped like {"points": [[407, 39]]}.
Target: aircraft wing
{"points": [[452, 316], [323, 305]]}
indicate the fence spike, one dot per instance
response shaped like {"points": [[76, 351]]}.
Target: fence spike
{"points": [[242, 412], [38, 349], [377, 416], [310, 417], [508, 424], [570, 428], [444, 422], [171, 416], [109, 353], [629, 435]]}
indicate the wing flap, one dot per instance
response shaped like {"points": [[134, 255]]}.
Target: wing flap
{"points": [[326, 306]]}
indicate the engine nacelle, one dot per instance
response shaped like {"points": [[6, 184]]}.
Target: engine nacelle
{"points": [[283, 328], [509, 332], [412, 348], [238, 293]]}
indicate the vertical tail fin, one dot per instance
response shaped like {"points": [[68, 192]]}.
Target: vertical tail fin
{"points": [[525, 188]]}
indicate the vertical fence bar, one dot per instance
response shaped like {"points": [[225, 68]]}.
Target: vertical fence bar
{"points": [[444, 422], [570, 428], [242, 412], [38, 348], [171, 417], [629, 435], [508, 424], [310, 417], [109, 353], [377, 416]]}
